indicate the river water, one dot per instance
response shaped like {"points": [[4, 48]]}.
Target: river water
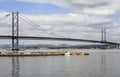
{"points": [[100, 63]]}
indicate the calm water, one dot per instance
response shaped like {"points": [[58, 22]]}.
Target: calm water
{"points": [[100, 63]]}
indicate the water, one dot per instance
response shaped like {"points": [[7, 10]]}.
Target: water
{"points": [[100, 63]]}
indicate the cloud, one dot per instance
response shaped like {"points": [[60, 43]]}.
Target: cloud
{"points": [[98, 11], [72, 3], [94, 7]]}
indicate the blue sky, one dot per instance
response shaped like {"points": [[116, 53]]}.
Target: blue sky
{"points": [[32, 8], [82, 19]]}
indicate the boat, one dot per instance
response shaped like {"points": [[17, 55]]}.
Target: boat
{"points": [[67, 53]]}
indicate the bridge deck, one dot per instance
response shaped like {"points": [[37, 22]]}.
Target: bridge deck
{"points": [[54, 38]]}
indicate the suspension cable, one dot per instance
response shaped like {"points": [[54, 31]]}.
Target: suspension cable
{"points": [[3, 18], [35, 25], [33, 22]]}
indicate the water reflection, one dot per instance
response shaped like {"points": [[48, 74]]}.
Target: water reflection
{"points": [[15, 67], [103, 69], [68, 60]]}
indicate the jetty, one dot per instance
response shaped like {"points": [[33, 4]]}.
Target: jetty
{"points": [[62, 53], [33, 54]]}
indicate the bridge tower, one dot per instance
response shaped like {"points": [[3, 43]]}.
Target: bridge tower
{"points": [[103, 38], [15, 31]]}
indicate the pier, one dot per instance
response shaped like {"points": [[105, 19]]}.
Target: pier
{"points": [[18, 54]]}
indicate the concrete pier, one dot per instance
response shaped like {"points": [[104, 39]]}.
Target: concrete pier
{"points": [[33, 54], [79, 53], [62, 53]]}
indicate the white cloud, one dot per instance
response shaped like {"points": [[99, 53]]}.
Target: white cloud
{"points": [[98, 11], [95, 7]]}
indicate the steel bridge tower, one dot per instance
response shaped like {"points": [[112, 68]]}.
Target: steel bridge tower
{"points": [[103, 38], [15, 31]]}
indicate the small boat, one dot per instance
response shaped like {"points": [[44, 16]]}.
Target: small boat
{"points": [[67, 53]]}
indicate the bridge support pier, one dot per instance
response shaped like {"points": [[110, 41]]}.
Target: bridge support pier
{"points": [[15, 31], [104, 46], [118, 46]]}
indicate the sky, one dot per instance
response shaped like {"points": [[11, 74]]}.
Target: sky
{"points": [[82, 19]]}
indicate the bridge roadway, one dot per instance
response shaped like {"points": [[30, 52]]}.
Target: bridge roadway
{"points": [[54, 38]]}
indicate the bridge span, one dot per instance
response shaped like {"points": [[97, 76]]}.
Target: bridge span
{"points": [[55, 38]]}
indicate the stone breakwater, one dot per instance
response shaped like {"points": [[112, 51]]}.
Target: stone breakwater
{"points": [[41, 54], [79, 53]]}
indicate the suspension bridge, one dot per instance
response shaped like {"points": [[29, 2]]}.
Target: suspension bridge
{"points": [[16, 37]]}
